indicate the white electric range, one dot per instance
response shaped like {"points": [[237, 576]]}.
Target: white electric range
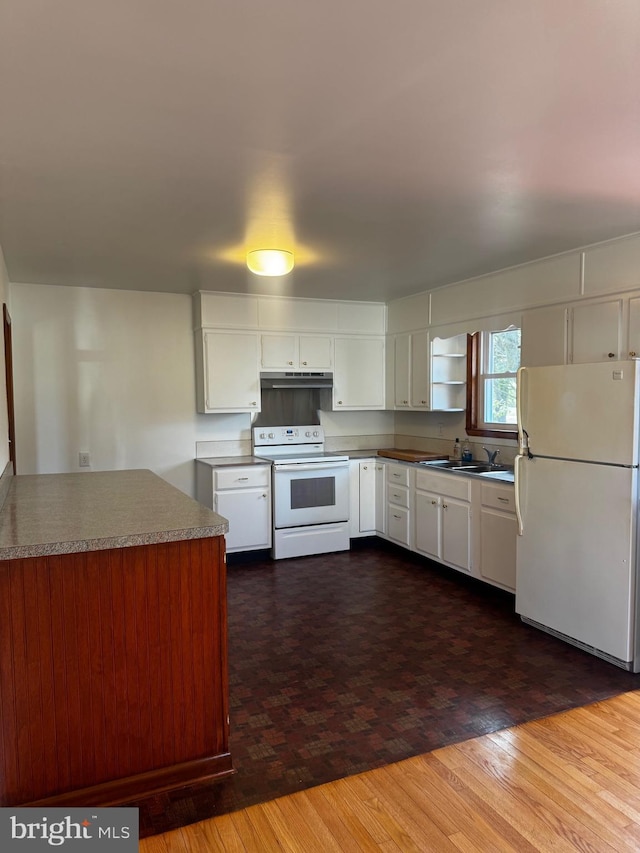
{"points": [[310, 490]]}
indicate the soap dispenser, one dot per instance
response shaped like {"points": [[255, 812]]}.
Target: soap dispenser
{"points": [[457, 452], [467, 455]]}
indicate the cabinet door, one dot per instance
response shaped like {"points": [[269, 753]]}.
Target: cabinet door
{"points": [[595, 331], [367, 484], [248, 512], [633, 347], [402, 371], [278, 352], [428, 516], [315, 352], [398, 524], [358, 381], [354, 498], [381, 499], [544, 337], [231, 375], [456, 533], [498, 537], [420, 387]]}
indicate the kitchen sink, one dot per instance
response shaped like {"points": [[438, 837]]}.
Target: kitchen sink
{"points": [[498, 472], [446, 463]]}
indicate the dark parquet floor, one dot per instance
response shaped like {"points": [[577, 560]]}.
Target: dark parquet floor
{"points": [[345, 662]]}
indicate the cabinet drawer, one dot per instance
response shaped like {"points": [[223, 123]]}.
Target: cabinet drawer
{"points": [[452, 485], [398, 495], [499, 497], [398, 524], [398, 475], [231, 477]]}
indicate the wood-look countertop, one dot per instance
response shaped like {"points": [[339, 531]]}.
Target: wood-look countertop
{"points": [[47, 514]]}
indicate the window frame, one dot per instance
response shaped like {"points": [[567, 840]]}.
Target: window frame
{"points": [[474, 422]]}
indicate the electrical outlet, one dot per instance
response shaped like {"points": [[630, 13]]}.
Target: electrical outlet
{"points": [[83, 460]]}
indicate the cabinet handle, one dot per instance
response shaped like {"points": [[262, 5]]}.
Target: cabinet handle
{"points": [[396, 475], [424, 402], [396, 516], [365, 467], [264, 496], [632, 354], [405, 402], [611, 355], [444, 506], [290, 362], [243, 478], [253, 403], [339, 402], [433, 503], [304, 363], [504, 500], [396, 495]]}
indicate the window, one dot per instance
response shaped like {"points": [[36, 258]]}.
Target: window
{"points": [[493, 360]]}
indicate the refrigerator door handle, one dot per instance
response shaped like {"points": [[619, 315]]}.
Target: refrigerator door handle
{"points": [[517, 478], [523, 438]]}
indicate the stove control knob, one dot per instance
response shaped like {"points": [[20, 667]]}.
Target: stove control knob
{"points": [[272, 435], [316, 433], [308, 434], [263, 435]]}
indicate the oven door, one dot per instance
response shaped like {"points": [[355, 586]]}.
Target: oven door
{"points": [[310, 493]]}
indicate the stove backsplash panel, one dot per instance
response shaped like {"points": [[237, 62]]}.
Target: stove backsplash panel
{"points": [[292, 406]]}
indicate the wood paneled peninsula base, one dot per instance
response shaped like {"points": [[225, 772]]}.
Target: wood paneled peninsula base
{"points": [[113, 640]]}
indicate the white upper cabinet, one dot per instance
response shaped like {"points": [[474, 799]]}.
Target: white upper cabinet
{"points": [[228, 378], [449, 374], [358, 376], [411, 370], [296, 352], [420, 387], [402, 371], [544, 337], [633, 341], [613, 266], [596, 331]]}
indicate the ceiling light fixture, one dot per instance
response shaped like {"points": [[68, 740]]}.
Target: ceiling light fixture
{"points": [[270, 261]]}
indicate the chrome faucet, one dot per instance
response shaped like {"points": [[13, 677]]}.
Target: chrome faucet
{"points": [[491, 455]]}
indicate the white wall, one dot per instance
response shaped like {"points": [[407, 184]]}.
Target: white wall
{"points": [[112, 372], [4, 420], [107, 372]]}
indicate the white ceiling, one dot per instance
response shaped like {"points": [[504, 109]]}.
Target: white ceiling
{"points": [[394, 145]]}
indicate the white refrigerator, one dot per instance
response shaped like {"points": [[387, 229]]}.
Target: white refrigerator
{"points": [[576, 477]]}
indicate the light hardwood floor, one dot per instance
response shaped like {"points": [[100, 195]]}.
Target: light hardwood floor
{"points": [[563, 783]]}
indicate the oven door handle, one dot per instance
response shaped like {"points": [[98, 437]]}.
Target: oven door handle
{"points": [[310, 466]]}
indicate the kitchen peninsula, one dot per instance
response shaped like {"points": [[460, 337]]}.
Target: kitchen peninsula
{"points": [[113, 639]]}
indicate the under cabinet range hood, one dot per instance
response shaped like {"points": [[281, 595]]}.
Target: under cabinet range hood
{"points": [[294, 398], [296, 379]]}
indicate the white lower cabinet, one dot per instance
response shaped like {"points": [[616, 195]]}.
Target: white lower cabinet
{"points": [[242, 495], [366, 497], [399, 481], [381, 497], [498, 529], [443, 518]]}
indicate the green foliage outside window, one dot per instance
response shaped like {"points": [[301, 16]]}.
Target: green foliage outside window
{"points": [[501, 363]]}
